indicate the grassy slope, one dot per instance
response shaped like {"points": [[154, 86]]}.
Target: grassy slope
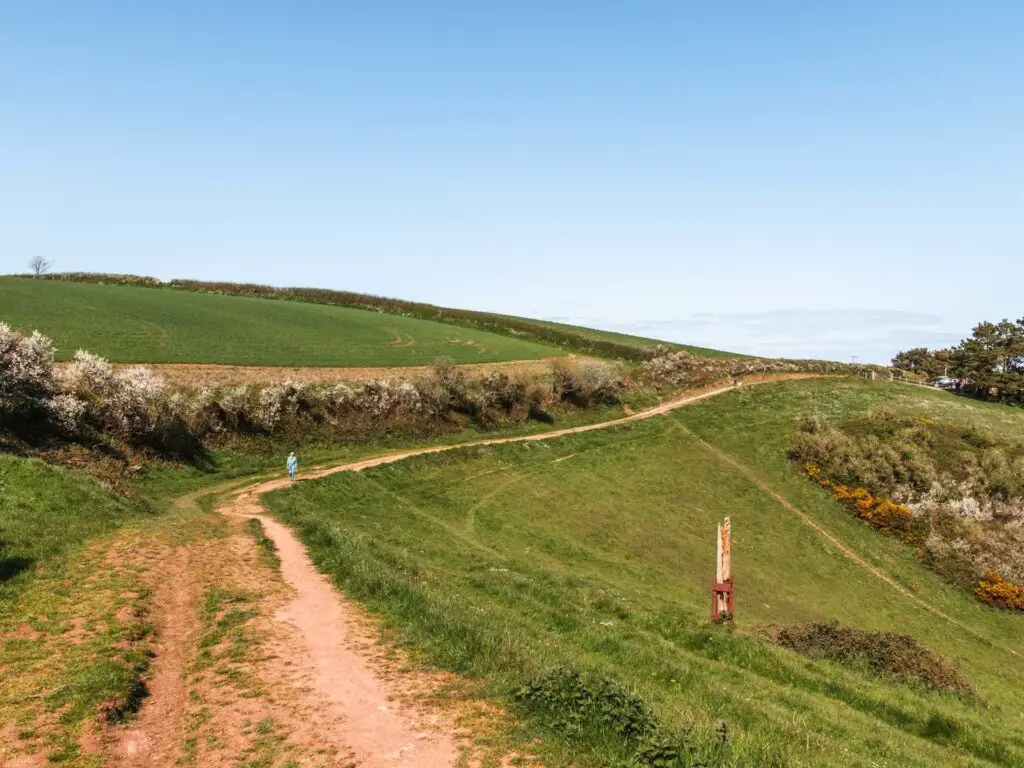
{"points": [[637, 341], [129, 324], [67, 646], [597, 549], [41, 516]]}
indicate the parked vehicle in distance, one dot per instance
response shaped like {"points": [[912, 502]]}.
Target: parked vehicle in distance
{"points": [[944, 382]]}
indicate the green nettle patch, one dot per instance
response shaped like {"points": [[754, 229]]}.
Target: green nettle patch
{"points": [[593, 708]]}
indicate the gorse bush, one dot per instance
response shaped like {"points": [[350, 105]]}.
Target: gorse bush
{"points": [[882, 514], [954, 492], [886, 653], [994, 590]]}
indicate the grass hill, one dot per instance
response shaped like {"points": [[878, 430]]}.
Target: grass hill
{"points": [[146, 325], [398, 332], [596, 551]]}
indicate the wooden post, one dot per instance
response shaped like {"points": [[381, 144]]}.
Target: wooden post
{"points": [[722, 589]]}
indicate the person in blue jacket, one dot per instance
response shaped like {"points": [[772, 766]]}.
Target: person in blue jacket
{"points": [[293, 464]]}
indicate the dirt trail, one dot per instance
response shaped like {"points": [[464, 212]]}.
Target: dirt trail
{"points": [[362, 717], [152, 740], [359, 713]]}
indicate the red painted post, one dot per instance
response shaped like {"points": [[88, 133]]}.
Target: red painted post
{"points": [[722, 589]]}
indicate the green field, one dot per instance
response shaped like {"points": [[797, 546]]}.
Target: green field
{"points": [[596, 550], [642, 342], [146, 325]]}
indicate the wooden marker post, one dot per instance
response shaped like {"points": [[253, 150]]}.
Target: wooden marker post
{"points": [[722, 590]]}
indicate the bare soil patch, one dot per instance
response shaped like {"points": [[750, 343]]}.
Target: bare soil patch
{"points": [[210, 375]]}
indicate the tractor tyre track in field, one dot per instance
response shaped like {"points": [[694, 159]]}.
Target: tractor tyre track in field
{"points": [[362, 717]]}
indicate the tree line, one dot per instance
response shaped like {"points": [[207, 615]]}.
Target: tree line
{"points": [[990, 364]]}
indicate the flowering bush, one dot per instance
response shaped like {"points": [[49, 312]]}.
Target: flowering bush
{"points": [[994, 590], [668, 368], [26, 371], [67, 412], [882, 514], [120, 402], [955, 493], [586, 383]]}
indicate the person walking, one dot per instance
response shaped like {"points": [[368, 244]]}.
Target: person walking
{"points": [[293, 464]]}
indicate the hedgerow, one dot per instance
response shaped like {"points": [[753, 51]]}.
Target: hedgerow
{"points": [[90, 401], [677, 368]]}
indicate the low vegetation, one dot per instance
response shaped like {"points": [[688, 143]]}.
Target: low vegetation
{"points": [[954, 492], [578, 571], [890, 654], [668, 368], [75, 637], [42, 516], [131, 412]]}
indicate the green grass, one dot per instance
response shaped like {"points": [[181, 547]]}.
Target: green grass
{"points": [[45, 512], [642, 342], [596, 550], [73, 616], [146, 325]]}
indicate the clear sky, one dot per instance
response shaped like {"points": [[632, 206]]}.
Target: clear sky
{"points": [[803, 179]]}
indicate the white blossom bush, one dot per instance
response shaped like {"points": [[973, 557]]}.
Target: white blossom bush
{"points": [[26, 370], [66, 412], [586, 383], [275, 402], [378, 397], [89, 376], [678, 368], [120, 402]]}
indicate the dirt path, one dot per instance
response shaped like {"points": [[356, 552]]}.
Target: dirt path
{"points": [[321, 660], [363, 718], [152, 739]]}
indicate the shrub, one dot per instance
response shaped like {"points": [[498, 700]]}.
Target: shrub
{"points": [[26, 372], [882, 514], [886, 653], [953, 491], [994, 590], [585, 384], [667, 368], [592, 707], [122, 403]]}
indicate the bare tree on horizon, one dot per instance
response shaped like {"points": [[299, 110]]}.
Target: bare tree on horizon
{"points": [[39, 266]]}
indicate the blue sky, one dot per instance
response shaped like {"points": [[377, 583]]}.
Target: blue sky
{"points": [[801, 179]]}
